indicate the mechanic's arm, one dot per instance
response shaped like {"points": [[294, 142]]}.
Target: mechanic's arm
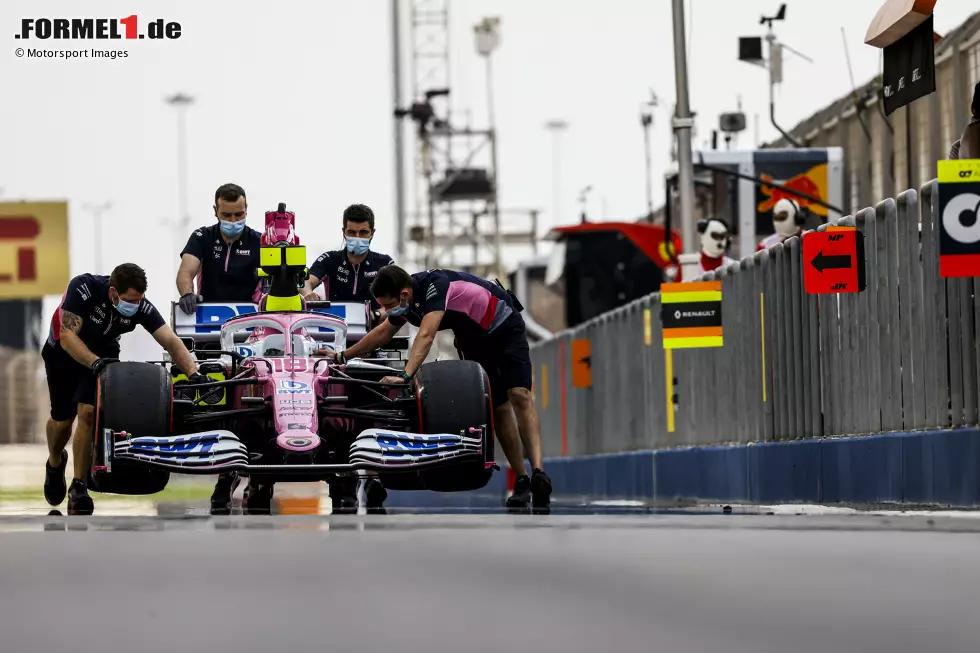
{"points": [[190, 265], [312, 283], [377, 337], [423, 341], [167, 339], [71, 326]]}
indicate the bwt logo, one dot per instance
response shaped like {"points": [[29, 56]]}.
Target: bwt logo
{"points": [[95, 28], [21, 228], [219, 314]]}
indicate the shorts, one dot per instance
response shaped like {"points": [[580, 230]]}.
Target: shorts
{"points": [[506, 357], [69, 383]]}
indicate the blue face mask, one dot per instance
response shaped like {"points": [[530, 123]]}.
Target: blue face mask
{"points": [[232, 229], [397, 311], [358, 246], [126, 308]]}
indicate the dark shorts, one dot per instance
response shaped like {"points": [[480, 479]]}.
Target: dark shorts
{"points": [[505, 356], [69, 383]]}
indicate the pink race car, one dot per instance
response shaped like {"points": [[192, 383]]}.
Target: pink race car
{"points": [[277, 411]]}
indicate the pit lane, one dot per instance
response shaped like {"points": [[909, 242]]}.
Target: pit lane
{"points": [[418, 581]]}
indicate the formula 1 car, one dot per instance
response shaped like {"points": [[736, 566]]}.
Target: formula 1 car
{"points": [[277, 411]]}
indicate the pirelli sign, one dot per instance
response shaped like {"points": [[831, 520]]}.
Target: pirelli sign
{"points": [[691, 314]]}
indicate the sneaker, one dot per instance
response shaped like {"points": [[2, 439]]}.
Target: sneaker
{"points": [[522, 492], [343, 496], [540, 489], [79, 502], [223, 491], [257, 499], [55, 486], [376, 494]]}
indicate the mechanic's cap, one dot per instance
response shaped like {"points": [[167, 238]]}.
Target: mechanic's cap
{"points": [[282, 207]]}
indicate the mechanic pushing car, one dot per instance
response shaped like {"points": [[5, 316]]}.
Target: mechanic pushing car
{"points": [[84, 337], [489, 329], [349, 272], [223, 257]]}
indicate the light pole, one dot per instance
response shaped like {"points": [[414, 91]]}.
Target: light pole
{"points": [[646, 121], [396, 65], [683, 123], [487, 34], [557, 127], [97, 210], [181, 102]]}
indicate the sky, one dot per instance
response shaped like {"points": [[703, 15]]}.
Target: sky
{"points": [[293, 101]]}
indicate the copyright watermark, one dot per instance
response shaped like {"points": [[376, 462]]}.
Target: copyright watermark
{"points": [[97, 28], [35, 53]]}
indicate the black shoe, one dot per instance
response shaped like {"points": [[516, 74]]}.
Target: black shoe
{"points": [[375, 495], [55, 486], [79, 502], [223, 491], [522, 492], [540, 489], [257, 499]]}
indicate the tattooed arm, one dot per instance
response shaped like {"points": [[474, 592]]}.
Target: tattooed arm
{"points": [[71, 326]]}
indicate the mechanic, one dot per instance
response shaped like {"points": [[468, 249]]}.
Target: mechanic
{"points": [[84, 337], [487, 324], [349, 272], [716, 240], [223, 257], [787, 219]]}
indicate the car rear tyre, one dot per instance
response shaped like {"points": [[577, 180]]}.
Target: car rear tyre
{"points": [[136, 398], [454, 396]]}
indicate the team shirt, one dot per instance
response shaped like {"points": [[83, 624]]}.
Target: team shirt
{"points": [[228, 270], [87, 297]]}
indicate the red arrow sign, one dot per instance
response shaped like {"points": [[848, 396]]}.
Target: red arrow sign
{"points": [[833, 261]]}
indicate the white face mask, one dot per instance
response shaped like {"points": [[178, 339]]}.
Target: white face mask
{"points": [[711, 245], [785, 227]]}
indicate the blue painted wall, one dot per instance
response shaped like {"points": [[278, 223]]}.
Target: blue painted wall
{"points": [[935, 467]]}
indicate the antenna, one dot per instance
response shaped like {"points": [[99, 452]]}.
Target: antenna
{"points": [[854, 90]]}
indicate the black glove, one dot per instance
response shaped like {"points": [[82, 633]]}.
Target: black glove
{"points": [[197, 377], [188, 303], [100, 364]]}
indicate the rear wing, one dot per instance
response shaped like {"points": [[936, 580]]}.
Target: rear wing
{"points": [[205, 325]]}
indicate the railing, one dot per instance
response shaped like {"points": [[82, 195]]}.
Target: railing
{"points": [[899, 356]]}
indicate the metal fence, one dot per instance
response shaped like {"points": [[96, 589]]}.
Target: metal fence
{"points": [[900, 356]]}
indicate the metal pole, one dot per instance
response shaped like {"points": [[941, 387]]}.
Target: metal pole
{"points": [[647, 120], [182, 167], [396, 63], [497, 236], [682, 126]]}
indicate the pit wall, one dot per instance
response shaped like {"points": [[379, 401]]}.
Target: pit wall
{"points": [[867, 397]]}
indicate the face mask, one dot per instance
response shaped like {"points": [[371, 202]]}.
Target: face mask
{"points": [[358, 246], [785, 227], [127, 309], [398, 310], [711, 246], [232, 229]]}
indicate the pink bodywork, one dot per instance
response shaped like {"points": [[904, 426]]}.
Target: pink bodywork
{"points": [[292, 383]]}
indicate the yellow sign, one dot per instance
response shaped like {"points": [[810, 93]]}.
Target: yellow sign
{"points": [[691, 314], [958, 171], [581, 363], [33, 249], [647, 328]]}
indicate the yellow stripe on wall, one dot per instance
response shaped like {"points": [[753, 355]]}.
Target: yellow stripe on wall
{"points": [[691, 343], [669, 367], [685, 297], [544, 386], [762, 333]]}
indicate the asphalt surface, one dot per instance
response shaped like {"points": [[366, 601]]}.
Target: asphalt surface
{"points": [[490, 582]]}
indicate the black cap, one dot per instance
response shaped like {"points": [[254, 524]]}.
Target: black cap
{"points": [[976, 100]]}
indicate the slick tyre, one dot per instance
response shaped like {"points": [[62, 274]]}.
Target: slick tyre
{"points": [[137, 398], [454, 396]]}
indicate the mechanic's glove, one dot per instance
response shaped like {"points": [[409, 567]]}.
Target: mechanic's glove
{"points": [[197, 377], [188, 303], [100, 364]]}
